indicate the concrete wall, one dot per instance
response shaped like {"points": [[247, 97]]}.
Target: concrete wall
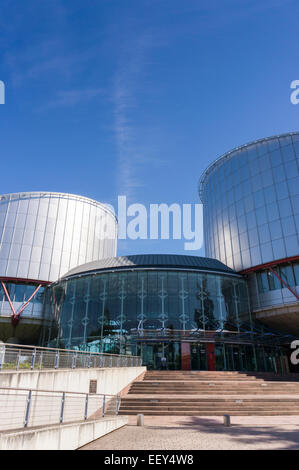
{"points": [[46, 402], [61, 437], [110, 380]]}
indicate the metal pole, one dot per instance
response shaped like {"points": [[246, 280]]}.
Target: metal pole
{"points": [[74, 361], [2, 356], [104, 405], [62, 407], [41, 360], [18, 360], [28, 403], [33, 359], [56, 360], [86, 406]]}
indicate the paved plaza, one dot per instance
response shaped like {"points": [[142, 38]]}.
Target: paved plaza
{"points": [[195, 433]]}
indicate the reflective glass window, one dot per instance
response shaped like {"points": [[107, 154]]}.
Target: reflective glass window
{"points": [[274, 282], [262, 280], [296, 272], [287, 275]]}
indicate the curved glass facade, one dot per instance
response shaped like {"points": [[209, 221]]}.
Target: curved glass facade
{"points": [[196, 319], [108, 308], [251, 203]]}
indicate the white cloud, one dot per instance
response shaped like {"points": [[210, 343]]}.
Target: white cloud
{"points": [[127, 86]]}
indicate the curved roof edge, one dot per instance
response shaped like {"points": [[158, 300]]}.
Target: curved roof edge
{"points": [[24, 194], [151, 261], [229, 154]]}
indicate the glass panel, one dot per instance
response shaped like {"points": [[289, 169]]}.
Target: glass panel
{"points": [[296, 272], [262, 281], [286, 273], [274, 282]]}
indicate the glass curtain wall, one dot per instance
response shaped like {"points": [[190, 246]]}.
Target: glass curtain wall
{"points": [[105, 311]]}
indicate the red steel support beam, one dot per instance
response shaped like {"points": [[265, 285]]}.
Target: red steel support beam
{"points": [[8, 298], [260, 267], [16, 315], [283, 282]]}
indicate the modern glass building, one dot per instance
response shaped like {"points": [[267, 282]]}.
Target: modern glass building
{"points": [[251, 223], [42, 236], [194, 311]]}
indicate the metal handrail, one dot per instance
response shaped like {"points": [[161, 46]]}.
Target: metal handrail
{"points": [[14, 357], [57, 391], [24, 407], [21, 346]]}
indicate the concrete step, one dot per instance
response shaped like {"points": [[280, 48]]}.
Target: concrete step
{"points": [[219, 378], [213, 407], [180, 385], [214, 392], [211, 413], [207, 401], [214, 384]]}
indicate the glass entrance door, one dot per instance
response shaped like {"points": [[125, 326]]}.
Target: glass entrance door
{"points": [[234, 357], [152, 354], [198, 357]]}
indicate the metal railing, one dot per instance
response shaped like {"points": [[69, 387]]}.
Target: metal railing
{"points": [[20, 357], [24, 408]]}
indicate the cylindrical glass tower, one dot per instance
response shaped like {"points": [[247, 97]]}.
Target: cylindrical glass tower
{"points": [[42, 236], [251, 221]]}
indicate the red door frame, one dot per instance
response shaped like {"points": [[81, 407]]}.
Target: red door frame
{"points": [[210, 348]]}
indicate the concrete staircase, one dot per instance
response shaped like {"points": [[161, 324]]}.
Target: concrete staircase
{"points": [[194, 393]]}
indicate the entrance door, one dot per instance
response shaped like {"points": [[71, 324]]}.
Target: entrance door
{"points": [[211, 356], [236, 358], [151, 355], [198, 357]]}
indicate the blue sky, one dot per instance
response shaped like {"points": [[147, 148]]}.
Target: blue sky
{"points": [[137, 97]]}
